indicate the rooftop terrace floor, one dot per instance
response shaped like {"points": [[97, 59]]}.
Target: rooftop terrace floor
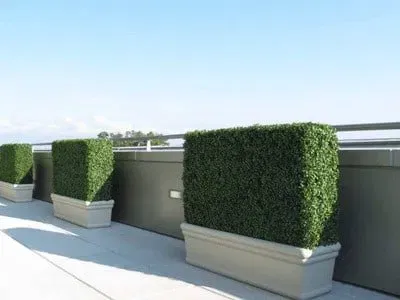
{"points": [[42, 257]]}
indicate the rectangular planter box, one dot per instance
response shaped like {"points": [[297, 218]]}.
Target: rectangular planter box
{"points": [[83, 213], [290, 271], [16, 192]]}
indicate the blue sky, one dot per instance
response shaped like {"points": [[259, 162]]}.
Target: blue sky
{"points": [[74, 68]]}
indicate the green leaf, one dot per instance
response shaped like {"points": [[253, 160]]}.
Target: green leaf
{"points": [[83, 169], [16, 163], [277, 183]]}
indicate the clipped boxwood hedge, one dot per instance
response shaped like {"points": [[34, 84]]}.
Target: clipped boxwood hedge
{"points": [[276, 183], [82, 169], [16, 163]]}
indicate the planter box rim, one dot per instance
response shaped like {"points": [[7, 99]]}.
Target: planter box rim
{"points": [[82, 203], [18, 186], [277, 250]]}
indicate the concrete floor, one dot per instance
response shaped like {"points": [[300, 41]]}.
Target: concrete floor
{"points": [[42, 257]]}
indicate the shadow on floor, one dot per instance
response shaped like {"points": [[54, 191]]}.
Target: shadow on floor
{"points": [[119, 246]]}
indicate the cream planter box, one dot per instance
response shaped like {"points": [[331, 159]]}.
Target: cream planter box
{"points": [[16, 192], [83, 213], [290, 271]]}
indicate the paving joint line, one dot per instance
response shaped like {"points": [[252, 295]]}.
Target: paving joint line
{"points": [[59, 267]]}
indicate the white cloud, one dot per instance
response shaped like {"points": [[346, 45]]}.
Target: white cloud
{"points": [[38, 131], [100, 119], [104, 124], [76, 125], [6, 126], [53, 126]]}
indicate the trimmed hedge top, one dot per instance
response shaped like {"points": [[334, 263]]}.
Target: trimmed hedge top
{"points": [[83, 168], [16, 163], [276, 183]]}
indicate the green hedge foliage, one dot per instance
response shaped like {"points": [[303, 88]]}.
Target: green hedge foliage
{"points": [[276, 183], [16, 163], [83, 169]]}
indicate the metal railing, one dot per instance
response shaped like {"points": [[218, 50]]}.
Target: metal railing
{"points": [[368, 143], [344, 143], [148, 146], [368, 127]]}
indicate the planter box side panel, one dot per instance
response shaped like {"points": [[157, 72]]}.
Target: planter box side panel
{"points": [[317, 277], [99, 217], [89, 216], [17, 192], [247, 267], [288, 277], [69, 213]]}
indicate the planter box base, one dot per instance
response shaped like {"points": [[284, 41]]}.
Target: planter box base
{"points": [[16, 192], [83, 213], [290, 271]]}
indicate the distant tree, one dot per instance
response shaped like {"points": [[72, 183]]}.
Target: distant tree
{"points": [[117, 142], [103, 135], [116, 135]]}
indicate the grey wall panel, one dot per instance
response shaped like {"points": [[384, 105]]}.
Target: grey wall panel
{"points": [[396, 158], [377, 157], [141, 191], [42, 175], [369, 196], [370, 228]]}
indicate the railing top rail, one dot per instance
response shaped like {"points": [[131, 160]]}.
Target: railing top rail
{"points": [[352, 143], [339, 128], [368, 127], [134, 139]]}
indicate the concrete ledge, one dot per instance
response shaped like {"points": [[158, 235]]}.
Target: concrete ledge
{"points": [[160, 156], [283, 269], [154, 155], [347, 157], [370, 157], [42, 155], [124, 155], [150, 156]]}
